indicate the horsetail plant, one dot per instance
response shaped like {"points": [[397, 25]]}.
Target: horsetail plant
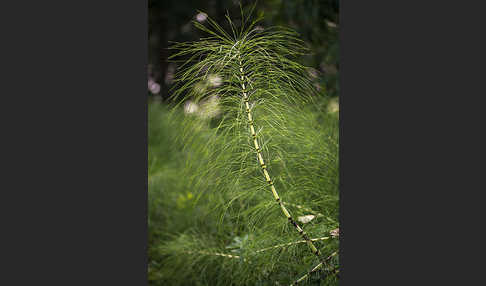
{"points": [[260, 90]]}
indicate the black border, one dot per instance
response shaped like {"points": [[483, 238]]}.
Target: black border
{"points": [[76, 154], [409, 120], [76, 160]]}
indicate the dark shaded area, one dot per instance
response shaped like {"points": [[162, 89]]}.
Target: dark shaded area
{"points": [[316, 21]]}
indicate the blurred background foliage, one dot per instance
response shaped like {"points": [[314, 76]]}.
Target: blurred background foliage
{"points": [[315, 20]]}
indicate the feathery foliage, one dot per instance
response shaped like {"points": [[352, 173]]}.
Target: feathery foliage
{"points": [[250, 197]]}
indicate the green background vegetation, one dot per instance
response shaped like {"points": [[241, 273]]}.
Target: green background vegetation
{"points": [[199, 205]]}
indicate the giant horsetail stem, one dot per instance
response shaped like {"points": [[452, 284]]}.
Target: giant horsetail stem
{"points": [[264, 167]]}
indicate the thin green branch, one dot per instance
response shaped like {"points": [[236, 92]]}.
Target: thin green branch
{"points": [[260, 250], [291, 243], [316, 268], [304, 209]]}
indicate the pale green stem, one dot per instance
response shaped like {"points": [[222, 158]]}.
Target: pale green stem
{"points": [[291, 243], [264, 167], [317, 267]]}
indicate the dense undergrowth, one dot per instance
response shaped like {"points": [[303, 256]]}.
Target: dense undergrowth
{"points": [[215, 217]]}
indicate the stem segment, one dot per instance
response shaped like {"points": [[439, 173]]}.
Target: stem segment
{"points": [[264, 167]]}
